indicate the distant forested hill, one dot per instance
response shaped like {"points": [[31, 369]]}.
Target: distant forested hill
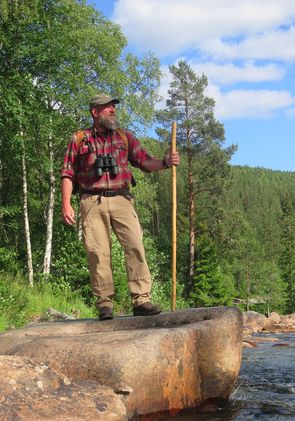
{"points": [[258, 194], [256, 235]]}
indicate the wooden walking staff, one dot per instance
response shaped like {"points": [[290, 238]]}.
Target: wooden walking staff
{"points": [[174, 206]]}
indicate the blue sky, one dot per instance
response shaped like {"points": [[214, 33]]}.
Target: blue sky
{"points": [[245, 48]]}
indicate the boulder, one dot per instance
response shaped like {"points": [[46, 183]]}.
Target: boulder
{"points": [[281, 328], [165, 363], [272, 319], [253, 321], [288, 320], [32, 391]]}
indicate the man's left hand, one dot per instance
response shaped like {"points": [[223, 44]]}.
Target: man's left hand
{"points": [[172, 158]]}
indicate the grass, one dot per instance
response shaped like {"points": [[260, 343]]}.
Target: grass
{"points": [[20, 305]]}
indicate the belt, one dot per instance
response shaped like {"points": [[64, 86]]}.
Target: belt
{"points": [[108, 193]]}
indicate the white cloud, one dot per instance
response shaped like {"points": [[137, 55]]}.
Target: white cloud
{"points": [[241, 103], [168, 27], [226, 74], [274, 45]]}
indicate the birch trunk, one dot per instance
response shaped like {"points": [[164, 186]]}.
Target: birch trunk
{"points": [[26, 220], [50, 212]]}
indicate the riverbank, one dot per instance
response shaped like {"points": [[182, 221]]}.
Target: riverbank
{"points": [[254, 323]]}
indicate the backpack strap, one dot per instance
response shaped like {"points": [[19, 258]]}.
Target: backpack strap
{"points": [[123, 136], [80, 135]]}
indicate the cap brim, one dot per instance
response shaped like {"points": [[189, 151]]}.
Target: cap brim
{"points": [[107, 101], [115, 101]]}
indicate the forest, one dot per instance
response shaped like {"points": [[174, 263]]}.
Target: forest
{"points": [[235, 225]]}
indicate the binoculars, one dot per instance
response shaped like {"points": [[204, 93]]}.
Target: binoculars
{"points": [[106, 163]]}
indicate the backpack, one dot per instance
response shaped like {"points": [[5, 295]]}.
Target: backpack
{"points": [[82, 135]]}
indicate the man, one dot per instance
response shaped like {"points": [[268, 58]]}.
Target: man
{"points": [[97, 161]]}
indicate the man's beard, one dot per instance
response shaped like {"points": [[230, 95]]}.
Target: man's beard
{"points": [[110, 123]]}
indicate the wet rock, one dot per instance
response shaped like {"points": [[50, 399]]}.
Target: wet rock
{"points": [[250, 341], [170, 361], [249, 344], [281, 345], [281, 328]]}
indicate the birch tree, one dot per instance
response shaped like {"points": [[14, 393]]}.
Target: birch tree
{"points": [[65, 51], [26, 218]]}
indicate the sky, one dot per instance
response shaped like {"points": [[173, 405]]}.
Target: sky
{"points": [[246, 48]]}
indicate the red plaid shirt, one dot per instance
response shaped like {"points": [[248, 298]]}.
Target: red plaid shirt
{"points": [[79, 161]]}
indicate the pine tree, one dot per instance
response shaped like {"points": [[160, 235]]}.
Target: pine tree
{"points": [[201, 137]]}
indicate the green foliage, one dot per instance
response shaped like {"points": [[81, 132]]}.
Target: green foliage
{"points": [[8, 261], [122, 296], [287, 255], [70, 264], [272, 287], [13, 302], [210, 287], [254, 241], [162, 294], [19, 304]]}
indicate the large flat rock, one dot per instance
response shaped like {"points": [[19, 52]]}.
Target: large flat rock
{"points": [[167, 362]]}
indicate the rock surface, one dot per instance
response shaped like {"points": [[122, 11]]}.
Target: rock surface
{"points": [[258, 323], [156, 364], [32, 391], [255, 322]]}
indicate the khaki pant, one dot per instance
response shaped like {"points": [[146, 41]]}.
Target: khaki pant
{"points": [[100, 215]]}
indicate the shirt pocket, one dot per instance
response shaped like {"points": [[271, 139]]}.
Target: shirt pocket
{"points": [[86, 157], [120, 151], [84, 149]]}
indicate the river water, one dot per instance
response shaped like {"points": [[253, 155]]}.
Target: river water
{"points": [[265, 388]]}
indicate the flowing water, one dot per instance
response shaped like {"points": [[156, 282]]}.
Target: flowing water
{"points": [[265, 388]]}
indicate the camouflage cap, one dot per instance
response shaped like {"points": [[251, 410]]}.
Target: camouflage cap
{"points": [[102, 99]]}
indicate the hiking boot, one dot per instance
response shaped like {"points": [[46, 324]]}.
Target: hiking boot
{"points": [[146, 309], [105, 313]]}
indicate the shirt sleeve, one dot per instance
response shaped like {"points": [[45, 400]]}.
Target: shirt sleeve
{"points": [[70, 163], [137, 154]]}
